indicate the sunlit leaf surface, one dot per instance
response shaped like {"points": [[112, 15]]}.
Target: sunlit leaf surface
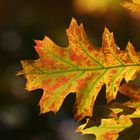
{"points": [[80, 68]]}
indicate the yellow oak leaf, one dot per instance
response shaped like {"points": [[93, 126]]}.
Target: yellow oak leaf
{"points": [[80, 68], [109, 129]]}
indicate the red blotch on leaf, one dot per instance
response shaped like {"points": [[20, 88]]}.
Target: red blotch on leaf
{"points": [[82, 82], [110, 135], [75, 57], [60, 81]]}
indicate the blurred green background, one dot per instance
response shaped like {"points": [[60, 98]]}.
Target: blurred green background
{"points": [[22, 22]]}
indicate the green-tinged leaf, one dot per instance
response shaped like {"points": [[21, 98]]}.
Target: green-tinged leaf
{"points": [[109, 129], [113, 126], [80, 68]]}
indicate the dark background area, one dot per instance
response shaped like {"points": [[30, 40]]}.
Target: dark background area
{"points": [[22, 22]]}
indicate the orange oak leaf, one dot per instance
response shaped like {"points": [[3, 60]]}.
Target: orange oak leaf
{"points": [[133, 92], [130, 90], [80, 68]]}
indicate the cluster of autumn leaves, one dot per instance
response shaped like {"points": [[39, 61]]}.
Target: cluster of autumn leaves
{"points": [[83, 69]]}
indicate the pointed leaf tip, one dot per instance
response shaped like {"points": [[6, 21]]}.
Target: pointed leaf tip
{"points": [[73, 24], [106, 30], [73, 21]]}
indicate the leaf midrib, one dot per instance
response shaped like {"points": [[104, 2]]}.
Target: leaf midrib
{"points": [[81, 69]]}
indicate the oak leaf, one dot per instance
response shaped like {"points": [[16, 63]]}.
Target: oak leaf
{"points": [[130, 90], [80, 68], [133, 92], [109, 129]]}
